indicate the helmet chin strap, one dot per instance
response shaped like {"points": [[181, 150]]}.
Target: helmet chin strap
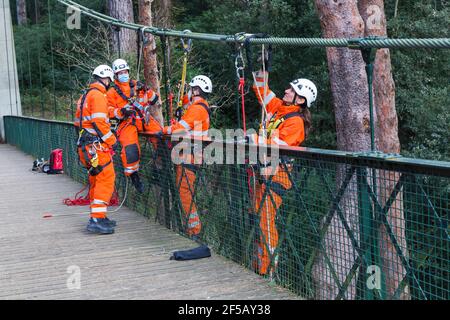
{"points": [[295, 98], [101, 81]]}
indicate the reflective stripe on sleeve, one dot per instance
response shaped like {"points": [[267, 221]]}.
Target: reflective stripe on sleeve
{"points": [[106, 136], [185, 125]]}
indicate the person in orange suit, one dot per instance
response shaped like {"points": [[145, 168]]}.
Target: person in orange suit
{"points": [[96, 143], [288, 121], [195, 121], [128, 102]]}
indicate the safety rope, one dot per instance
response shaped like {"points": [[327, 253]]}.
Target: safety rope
{"points": [[187, 46], [80, 200], [357, 43], [167, 77], [240, 74], [141, 44]]}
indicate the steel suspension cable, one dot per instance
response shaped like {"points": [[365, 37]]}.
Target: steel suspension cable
{"points": [[358, 43], [29, 72], [39, 62], [7, 55]]}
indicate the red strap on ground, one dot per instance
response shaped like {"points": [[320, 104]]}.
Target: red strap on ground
{"points": [[84, 200]]}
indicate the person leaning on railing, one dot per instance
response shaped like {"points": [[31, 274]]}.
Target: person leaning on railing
{"points": [[195, 121], [96, 143], [288, 122], [128, 100]]}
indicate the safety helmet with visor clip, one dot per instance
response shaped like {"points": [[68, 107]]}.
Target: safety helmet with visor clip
{"points": [[120, 65], [203, 82], [305, 88], [103, 71]]}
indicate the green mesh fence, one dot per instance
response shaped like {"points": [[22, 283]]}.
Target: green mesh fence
{"points": [[334, 225]]}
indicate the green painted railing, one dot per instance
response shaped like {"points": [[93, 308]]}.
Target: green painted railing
{"points": [[339, 238]]}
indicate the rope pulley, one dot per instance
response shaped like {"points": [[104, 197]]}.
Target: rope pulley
{"points": [[187, 44]]}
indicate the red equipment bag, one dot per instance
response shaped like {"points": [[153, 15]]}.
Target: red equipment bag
{"points": [[56, 162]]}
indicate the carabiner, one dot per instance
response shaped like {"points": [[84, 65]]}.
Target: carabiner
{"points": [[239, 63]]}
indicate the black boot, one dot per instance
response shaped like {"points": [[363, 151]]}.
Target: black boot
{"points": [[137, 182], [99, 225], [110, 222]]}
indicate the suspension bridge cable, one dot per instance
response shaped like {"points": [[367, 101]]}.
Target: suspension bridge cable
{"points": [[358, 43], [7, 56], [39, 61], [29, 71], [52, 58]]}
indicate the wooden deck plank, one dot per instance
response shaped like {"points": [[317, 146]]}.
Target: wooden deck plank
{"points": [[133, 263]]}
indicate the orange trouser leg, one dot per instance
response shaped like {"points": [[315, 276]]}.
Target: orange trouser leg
{"points": [[104, 186], [91, 187], [268, 240], [101, 185], [131, 150], [185, 179]]}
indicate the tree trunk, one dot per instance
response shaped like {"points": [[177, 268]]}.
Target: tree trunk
{"points": [[340, 19], [372, 12], [149, 56], [21, 12], [356, 19], [162, 13], [125, 42], [36, 16]]}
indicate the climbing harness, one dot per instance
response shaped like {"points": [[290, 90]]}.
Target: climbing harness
{"points": [[275, 123], [88, 140], [137, 109], [187, 46]]}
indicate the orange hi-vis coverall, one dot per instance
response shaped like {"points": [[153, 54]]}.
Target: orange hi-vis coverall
{"points": [[194, 122], [122, 95], [95, 141], [284, 126]]}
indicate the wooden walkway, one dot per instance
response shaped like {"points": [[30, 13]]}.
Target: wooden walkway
{"points": [[39, 256]]}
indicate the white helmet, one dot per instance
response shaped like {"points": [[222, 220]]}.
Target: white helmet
{"points": [[203, 82], [104, 71], [306, 89], [119, 65]]}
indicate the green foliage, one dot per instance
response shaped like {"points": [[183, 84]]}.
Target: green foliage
{"points": [[421, 76], [292, 18]]}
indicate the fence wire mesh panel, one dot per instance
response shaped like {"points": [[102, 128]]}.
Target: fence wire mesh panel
{"points": [[326, 224]]}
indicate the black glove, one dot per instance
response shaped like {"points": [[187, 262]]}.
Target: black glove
{"points": [[267, 58], [141, 86], [126, 111], [115, 146]]}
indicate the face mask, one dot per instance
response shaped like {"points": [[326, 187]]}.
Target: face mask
{"points": [[123, 77]]}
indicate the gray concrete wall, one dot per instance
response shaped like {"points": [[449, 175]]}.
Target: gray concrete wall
{"points": [[9, 82]]}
